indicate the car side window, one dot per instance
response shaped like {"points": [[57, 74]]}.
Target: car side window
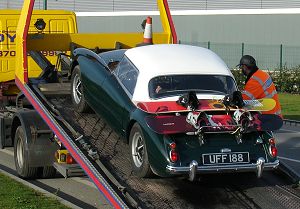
{"points": [[231, 85], [127, 74]]}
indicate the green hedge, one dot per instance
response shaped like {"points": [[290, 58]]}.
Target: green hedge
{"points": [[286, 80], [240, 79]]}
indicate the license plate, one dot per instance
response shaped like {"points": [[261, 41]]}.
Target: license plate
{"points": [[225, 158]]}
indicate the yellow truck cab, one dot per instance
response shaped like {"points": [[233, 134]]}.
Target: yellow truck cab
{"points": [[57, 21]]}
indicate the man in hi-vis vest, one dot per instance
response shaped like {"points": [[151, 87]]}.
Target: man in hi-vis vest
{"points": [[258, 84]]}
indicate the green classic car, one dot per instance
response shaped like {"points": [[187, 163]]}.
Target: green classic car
{"points": [[143, 93]]}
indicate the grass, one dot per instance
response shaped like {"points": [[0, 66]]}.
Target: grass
{"points": [[290, 105], [15, 195]]}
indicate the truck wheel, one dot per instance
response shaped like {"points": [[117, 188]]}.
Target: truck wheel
{"points": [[48, 172], [2, 133], [21, 156], [139, 155], [1, 145], [77, 92]]}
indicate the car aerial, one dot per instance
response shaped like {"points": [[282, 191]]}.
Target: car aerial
{"points": [[165, 101]]}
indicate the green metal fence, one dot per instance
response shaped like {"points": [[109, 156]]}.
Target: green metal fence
{"points": [[268, 57]]}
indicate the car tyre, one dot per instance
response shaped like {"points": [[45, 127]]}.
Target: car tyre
{"points": [[139, 156], [21, 156], [77, 95], [48, 172]]}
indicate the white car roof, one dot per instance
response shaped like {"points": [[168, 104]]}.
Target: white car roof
{"points": [[172, 59]]}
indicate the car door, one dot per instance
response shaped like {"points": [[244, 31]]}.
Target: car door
{"points": [[119, 88], [93, 74]]}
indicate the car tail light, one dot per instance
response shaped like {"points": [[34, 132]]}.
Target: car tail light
{"points": [[272, 141], [273, 151], [173, 153], [172, 145], [272, 147], [173, 156], [70, 159]]}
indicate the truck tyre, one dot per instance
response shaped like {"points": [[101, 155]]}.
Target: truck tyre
{"points": [[2, 133], [1, 145], [78, 98], [21, 156], [48, 172], [139, 156]]}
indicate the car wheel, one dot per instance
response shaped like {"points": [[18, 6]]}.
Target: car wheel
{"points": [[21, 156], [139, 156], [78, 98]]}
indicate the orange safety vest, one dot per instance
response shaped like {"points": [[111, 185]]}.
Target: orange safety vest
{"points": [[259, 86]]}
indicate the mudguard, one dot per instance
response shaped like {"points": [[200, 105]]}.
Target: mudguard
{"points": [[39, 144]]}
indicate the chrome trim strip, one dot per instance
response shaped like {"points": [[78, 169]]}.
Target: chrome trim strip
{"points": [[222, 168]]}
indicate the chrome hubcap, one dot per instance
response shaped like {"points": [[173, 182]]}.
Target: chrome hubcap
{"points": [[20, 154], [137, 149], [77, 89]]}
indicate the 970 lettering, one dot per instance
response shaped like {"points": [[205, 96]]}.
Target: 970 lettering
{"points": [[7, 53]]}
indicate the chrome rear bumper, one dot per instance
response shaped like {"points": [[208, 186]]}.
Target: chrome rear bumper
{"points": [[194, 168]]}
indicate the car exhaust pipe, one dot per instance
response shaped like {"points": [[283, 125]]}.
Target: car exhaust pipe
{"points": [[193, 170], [260, 166]]}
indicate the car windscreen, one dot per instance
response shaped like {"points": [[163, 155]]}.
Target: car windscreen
{"points": [[171, 85], [112, 58], [115, 55]]}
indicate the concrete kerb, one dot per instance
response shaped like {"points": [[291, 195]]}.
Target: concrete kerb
{"points": [[289, 172], [44, 192]]}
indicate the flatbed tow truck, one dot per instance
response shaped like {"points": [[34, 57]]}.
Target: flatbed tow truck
{"points": [[35, 127], [38, 126]]}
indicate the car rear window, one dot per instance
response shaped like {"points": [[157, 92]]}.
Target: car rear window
{"points": [[170, 85]]}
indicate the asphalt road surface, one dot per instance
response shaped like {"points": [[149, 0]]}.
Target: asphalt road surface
{"points": [[288, 142]]}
